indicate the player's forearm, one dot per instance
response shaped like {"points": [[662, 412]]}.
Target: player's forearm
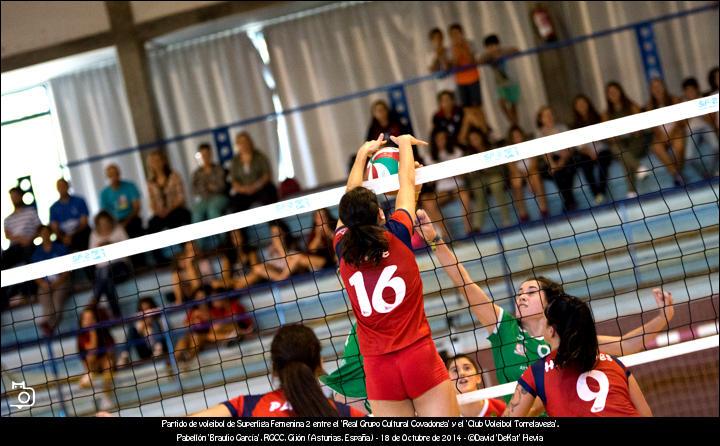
{"points": [[355, 178], [406, 170], [636, 340]]}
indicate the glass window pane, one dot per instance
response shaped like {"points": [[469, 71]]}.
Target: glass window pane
{"points": [[25, 103]]}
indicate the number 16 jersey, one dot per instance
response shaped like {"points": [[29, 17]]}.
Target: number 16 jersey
{"points": [[387, 298]]}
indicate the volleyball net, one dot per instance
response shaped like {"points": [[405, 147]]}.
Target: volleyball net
{"points": [[194, 329]]}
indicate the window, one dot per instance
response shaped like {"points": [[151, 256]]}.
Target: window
{"points": [[31, 146]]}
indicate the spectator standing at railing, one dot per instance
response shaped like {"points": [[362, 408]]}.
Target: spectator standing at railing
{"points": [[631, 147], [209, 187], [69, 219], [439, 60], [668, 136], [251, 176], [53, 290], [167, 195], [508, 89], [467, 79], [106, 232], [122, 200]]}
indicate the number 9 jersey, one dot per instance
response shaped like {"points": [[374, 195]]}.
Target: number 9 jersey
{"points": [[387, 298], [601, 392]]}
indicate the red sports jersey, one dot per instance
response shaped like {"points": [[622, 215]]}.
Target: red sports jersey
{"points": [[601, 392], [387, 298], [492, 408], [274, 404]]}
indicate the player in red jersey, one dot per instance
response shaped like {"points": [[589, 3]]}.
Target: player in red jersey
{"points": [[465, 372], [404, 373], [576, 379], [295, 354]]}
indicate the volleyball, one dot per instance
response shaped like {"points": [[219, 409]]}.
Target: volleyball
{"points": [[384, 162]]}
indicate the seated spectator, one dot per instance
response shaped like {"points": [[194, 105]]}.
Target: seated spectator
{"points": [[508, 90], [702, 138], [230, 320], [631, 147], [713, 81], [251, 176], [525, 171], [439, 60], [188, 277], [146, 334], [276, 265], [560, 165], [319, 253], [20, 229], [467, 375], [122, 200], [442, 192], [209, 187], [53, 290], [106, 232], [199, 327], [668, 136], [597, 152], [237, 262], [472, 120], [449, 116], [478, 181], [69, 219], [96, 347], [167, 195], [385, 121]]}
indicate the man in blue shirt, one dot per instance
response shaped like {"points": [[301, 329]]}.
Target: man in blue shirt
{"points": [[69, 219], [122, 200]]}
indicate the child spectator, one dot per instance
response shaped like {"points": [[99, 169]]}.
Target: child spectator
{"points": [[96, 347], [53, 290], [146, 334], [167, 195], [122, 200], [251, 176], [598, 152], [466, 377], [467, 78], [631, 147], [237, 263], [230, 320], [449, 116], [69, 219], [107, 274], [522, 171], [508, 89], [669, 135], [492, 178], [439, 60], [209, 187], [199, 325]]}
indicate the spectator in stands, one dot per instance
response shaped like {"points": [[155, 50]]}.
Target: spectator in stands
{"points": [[122, 200], [53, 290], [20, 228], [467, 377], [467, 78], [237, 262], [96, 347], [251, 176], [439, 60], [230, 320], [559, 165], [668, 135], [473, 120], [69, 219], [209, 187], [385, 121], [508, 89], [319, 251], [199, 327], [108, 231], [702, 139], [522, 171], [631, 147], [282, 245], [146, 334], [188, 276], [442, 192], [449, 116], [492, 178], [597, 152], [167, 195]]}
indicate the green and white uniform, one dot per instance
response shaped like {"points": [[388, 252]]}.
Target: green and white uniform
{"points": [[349, 378]]}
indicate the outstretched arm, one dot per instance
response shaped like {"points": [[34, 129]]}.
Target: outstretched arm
{"points": [[355, 179], [482, 306], [406, 173], [635, 340]]}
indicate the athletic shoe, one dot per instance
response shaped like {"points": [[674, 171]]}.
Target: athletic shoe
{"points": [[631, 194], [642, 173]]}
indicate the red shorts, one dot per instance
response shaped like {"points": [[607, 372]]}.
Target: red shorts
{"points": [[406, 373]]}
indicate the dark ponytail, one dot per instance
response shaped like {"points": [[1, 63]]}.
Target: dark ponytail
{"points": [[295, 355], [364, 239], [572, 320]]}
